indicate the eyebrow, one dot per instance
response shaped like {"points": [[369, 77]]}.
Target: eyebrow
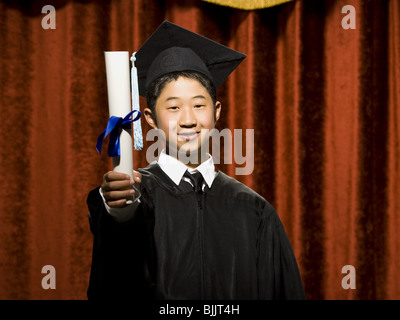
{"points": [[195, 97]]}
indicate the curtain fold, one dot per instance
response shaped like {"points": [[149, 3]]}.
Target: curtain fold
{"points": [[341, 138], [393, 146], [323, 102]]}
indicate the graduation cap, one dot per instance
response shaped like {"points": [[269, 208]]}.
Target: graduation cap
{"points": [[172, 48]]}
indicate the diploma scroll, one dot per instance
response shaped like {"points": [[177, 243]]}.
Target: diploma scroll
{"points": [[119, 104]]}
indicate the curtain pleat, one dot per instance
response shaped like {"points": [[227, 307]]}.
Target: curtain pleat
{"points": [[341, 136], [322, 101], [16, 183], [393, 146]]}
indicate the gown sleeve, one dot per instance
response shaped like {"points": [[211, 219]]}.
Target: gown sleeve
{"points": [[117, 269], [278, 273]]}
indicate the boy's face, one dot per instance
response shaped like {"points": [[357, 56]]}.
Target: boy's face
{"points": [[183, 109]]}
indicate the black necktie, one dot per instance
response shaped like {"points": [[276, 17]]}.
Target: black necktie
{"points": [[197, 180]]}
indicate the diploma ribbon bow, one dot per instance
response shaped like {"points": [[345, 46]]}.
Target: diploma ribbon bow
{"points": [[114, 128]]}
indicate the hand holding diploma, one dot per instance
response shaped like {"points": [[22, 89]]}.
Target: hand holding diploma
{"points": [[117, 187]]}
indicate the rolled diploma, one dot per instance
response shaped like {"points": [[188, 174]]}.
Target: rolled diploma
{"points": [[119, 104]]}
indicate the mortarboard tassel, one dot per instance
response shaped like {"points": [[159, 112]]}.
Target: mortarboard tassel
{"points": [[137, 128]]}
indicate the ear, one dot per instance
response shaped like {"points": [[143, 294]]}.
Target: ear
{"points": [[150, 118], [217, 111]]}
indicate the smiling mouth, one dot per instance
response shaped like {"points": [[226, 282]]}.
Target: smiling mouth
{"points": [[187, 136]]}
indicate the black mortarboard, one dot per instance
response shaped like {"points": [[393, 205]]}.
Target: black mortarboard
{"points": [[172, 48]]}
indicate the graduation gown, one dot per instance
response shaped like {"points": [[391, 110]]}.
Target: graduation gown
{"points": [[226, 243]]}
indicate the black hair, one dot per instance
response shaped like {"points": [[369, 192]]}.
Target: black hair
{"points": [[155, 88]]}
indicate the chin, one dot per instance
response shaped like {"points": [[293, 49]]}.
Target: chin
{"points": [[190, 150]]}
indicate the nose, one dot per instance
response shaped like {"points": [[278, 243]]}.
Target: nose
{"points": [[187, 118]]}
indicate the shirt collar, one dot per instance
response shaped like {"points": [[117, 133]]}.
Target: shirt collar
{"points": [[176, 169]]}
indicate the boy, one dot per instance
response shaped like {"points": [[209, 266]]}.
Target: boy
{"points": [[194, 232]]}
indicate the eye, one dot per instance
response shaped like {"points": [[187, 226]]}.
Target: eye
{"points": [[199, 106], [173, 108]]}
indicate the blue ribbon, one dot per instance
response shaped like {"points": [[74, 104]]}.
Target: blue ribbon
{"points": [[114, 128]]}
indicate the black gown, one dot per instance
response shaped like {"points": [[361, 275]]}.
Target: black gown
{"points": [[230, 244]]}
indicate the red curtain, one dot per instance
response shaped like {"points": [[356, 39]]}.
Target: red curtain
{"points": [[323, 102]]}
